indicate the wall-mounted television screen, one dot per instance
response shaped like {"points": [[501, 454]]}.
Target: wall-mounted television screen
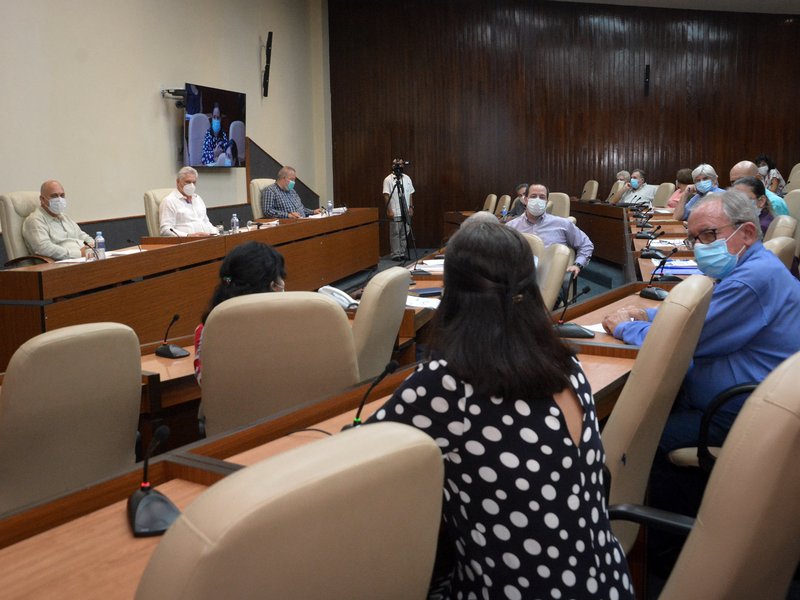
{"points": [[213, 127]]}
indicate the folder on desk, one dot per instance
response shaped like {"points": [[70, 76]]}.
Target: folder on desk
{"points": [[680, 266]]}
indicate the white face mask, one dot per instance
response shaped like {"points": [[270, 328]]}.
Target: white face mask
{"points": [[58, 205], [763, 171], [536, 206], [188, 189]]}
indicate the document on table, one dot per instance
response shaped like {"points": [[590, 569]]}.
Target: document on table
{"points": [[680, 266], [419, 302], [433, 265]]}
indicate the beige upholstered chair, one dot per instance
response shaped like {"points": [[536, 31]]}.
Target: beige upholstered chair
{"points": [[590, 189], [268, 353], [69, 411], [782, 247], [152, 204], [503, 203], [614, 188], [794, 172], [792, 185], [236, 134], [490, 203], [634, 428], [352, 516], [378, 320], [792, 200], [14, 208], [745, 541], [664, 191], [198, 125], [550, 273], [256, 187], [558, 204], [781, 226], [537, 247]]}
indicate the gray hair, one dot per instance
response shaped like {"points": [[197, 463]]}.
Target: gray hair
{"points": [[624, 174], [284, 172], [481, 216], [186, 171], [738, 207], [706, 170]]}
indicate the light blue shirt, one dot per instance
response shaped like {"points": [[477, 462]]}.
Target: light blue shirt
{"points": [[778, 204], [556, 230], [687, 209]]}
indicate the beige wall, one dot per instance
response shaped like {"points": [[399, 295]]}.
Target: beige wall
{"points": [[81, 93]]}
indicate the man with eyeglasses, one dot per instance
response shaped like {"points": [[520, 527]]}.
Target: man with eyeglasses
{"points": [[752, 323]]}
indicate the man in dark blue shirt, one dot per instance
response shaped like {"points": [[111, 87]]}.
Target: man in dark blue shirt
{"points": [[281, 201]]}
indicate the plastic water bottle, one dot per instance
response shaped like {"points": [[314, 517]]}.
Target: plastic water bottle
{"points": [[330, 207], [504, 214], [234, 224], [100, 245]]}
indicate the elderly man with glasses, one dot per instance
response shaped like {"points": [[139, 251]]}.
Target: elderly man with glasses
{"points": [[752, 323]]}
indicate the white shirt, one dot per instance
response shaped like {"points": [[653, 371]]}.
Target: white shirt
{"points": [[643, 195], [183, 216], [394, 199]]}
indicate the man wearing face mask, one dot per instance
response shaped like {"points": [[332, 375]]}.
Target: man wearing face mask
{"points": [[215, 142], [705, 181], [281, 200], [635, 191], [751, 325], [48, 231], [552, 229], [182, 212]]}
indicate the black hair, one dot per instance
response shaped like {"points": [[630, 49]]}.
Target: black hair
{"points": [[754, 183], [492, 326], [763, 157], [234, 153], [640, 172], [247, 269]]}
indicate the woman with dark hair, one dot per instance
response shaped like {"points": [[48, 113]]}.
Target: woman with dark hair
{"points": [[524, 510], [251, 268], [754, 189], [769, 174]]}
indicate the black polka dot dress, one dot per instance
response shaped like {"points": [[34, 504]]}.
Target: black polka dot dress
{"points": [[523, 505]]}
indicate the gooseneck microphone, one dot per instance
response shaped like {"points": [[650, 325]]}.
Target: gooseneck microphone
{"points": [[653, 293], [648, 253], [149, 511], [130, 241], [91, 249], [390, 368], [647, 235], [166, 350], [572, 330], [176, 233]]}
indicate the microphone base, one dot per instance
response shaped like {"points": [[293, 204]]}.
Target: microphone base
{"points": [[171, 351], [667, 278], [654, 293], [420, 272], [150, 512], [571, 330], [644, 226], [644, 235], [652, 254]]}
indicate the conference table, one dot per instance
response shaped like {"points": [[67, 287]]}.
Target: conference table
{"points": [[145, 288]]}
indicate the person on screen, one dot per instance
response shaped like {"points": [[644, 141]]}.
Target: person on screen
{"points": [[182, 212], [513, 414], [215, 143], [281, 200], [251, 268], [48, 231]]}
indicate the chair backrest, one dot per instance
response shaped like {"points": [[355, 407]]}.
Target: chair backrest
{"points": [[537, 247], [302, 523], [198, 125], [152, 205], [792, 200], [792, 186], [236, 133], [782, 247], [550, 274], [590, 189], [256, 187], [267, 353], [490, 203], [558, 204], [69, 411], [614, 189], [794, 172], [634, 428], [503, 203], [378, 320], [14, 208], [663, 192], [781, 226], [745, 542]]}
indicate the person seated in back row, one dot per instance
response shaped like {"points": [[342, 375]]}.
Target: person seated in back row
{"points": [[182, 212], [636, 191], [48, 231]]}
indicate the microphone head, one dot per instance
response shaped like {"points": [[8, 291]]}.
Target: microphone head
{"points": [[161, 434], [175, 317]]}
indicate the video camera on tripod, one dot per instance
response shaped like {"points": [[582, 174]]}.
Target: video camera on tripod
{"points": [[397, 166]]}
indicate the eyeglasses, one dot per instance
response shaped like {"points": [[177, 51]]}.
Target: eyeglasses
{"points": [[707, 236]]}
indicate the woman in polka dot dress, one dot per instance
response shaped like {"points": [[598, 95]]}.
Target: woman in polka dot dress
{"points": [[505, 400]]}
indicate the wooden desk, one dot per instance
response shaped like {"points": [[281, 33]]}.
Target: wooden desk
{"points": [[144, 289], [607, 227]]}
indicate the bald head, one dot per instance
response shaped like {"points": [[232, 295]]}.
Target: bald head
{"points": [[51, 186], [741, 169], [479, 217]]}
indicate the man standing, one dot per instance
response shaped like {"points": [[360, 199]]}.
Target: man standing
{"points": [[391, 196], [552, 229], [182, 212], [48, 231], [281, 201]]}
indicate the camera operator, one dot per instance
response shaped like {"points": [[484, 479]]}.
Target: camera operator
{"points": [[398, 185]]}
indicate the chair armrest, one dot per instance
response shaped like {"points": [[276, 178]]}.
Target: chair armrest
{"points": [[654, 517], [35, 258], [704, 457]]}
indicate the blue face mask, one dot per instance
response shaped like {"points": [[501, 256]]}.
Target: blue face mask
{"points": [[290, 185], [216, 125], [635, 183], [704, 186], [714, 259]]}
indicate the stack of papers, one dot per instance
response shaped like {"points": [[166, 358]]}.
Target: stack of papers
{"points": [[662, 242], [434, 265], [679, 266], [419, 302]]}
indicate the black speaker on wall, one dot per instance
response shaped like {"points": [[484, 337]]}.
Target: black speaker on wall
{"points": [[265, 83]]}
